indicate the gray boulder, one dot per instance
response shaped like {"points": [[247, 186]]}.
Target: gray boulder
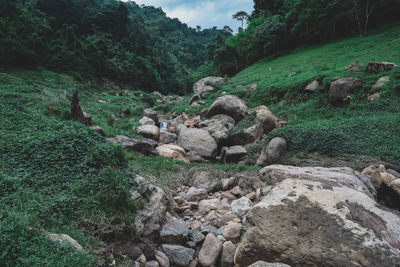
{"points": [[198, 140], [378, 67], [374, 175], [149, 131], [241, 206], [178, 255], [250, 88], [234, 154], [143, 146], [218, 126], [228, 254], [151, 114], [341, 88], [175, 231], [167, 137], [210, 250], [147, 121], [97, 129], [265, 117], [354, 66], [206, 85], [230, 105], [381, 82], [274, 151]]}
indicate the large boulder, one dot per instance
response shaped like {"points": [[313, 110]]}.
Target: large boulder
{"points": [[341, 88], [175, 231], [378, 67], [265, 117], [241, 206], [218, 126], [247, 131], [230, 105], [143, 146], [151, 114], [273, 152], [149, 131], [147, 121], [234, 154], [198, 140], [329, 214], [374, 175], [172, 152], [203, 178], [210, 250], [179, 255], [167, 137], [206, 85]]}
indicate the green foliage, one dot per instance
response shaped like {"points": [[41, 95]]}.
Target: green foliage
{"points": [[245, 123]]}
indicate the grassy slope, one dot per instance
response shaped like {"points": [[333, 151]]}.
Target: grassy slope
{"points": [[314, 124]]}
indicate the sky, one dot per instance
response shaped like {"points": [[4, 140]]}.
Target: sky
{"points": [[205, 13]]}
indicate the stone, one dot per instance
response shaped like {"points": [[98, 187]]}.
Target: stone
{"points": [[387, 178], [228, 254], [178, 255], [151, 114], [194, 194], [228, 183], [193, 156], [64, 240], [250, 88], [206, 85], [228, 195], [97, 129], [248, 134], [192, 122], [241, 206], [232, 232], [210, 250], [237, 191], [141, 261], [194, 99], [198, 140], [143, 146], [228, 217], [218, 126], [152, 264], [267, 119], [209, 229], [267, 264], [381, 82], [175, 231], [77, 113], [167, 137], [230, 105], [172, 152], [273, 152], [197, 236], [395, 186], [374, 175], [374, 97], [203, 178], [312, 86], [251, 195], [147, 121], [394, 173], [206, 205], [322, 211], [342, 87], [354, 66], [149, 131], [234, 154], [179, 200], [378, 67], [162, 259]]}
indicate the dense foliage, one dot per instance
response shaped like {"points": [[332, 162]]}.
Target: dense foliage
{"points": [[101, 40], [280, 25]]}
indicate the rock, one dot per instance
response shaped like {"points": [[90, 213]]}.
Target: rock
{"points": [[228, 195], [381, 82], [175, 231], [97, 129], [172, 152], [341, 88], [378, 67], [228, 253], [230, 105], [190, 123], [354, 66], [203, 178], [64, 240], [246, 133], [394, 173], [228, 217], [374, 175], [148, 220], [197, 236], [210, 250], [250, 88], [267, 264], [209, 229], [162, 259], [147, 121], [218, 126], [206, 85], [206, 205], [141, 261], [387, 178], [197, 140], [152, 264], [237, 191], [151, 114], [193, 156], [194, 99], [179, 255], [167, 137], [312, 86], [234, 154], [143, 146], [395, 186], [274, 151], [327, 214], [131, 249], [194, 194], [251, 195], [228, 183], [241, 206], [149, 131], [76, 111], [232, 232], [374, 97], [265, 117]]}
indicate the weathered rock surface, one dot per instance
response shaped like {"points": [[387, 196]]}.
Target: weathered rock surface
{"points": [[241, 206], [228, 254], [143, 146], [206, 85], [195, 195], [354, 66], [273, 152], [230, 105], [198, 140], [162, 259], [250, 88], [378, 67], [232, 232], [167, 137], [172, 152], [312, 86], [210, 250], [341, 88], [175, 231], [151, 114], [147, 121], [179, 255], [203, 179], [381, 82], [64, 240], [374, 175], [149, 131], [218, 126], [267, 264], [328, 213], [234, 154], [265, 117]]}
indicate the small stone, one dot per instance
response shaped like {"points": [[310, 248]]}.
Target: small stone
{"points": [[241, 206], [237, 191], [228, 195], [210, 251], [266, 190], [232, 232], [197, 236], [194, 194], [179, 255], [207, 205], [251, 196], [179, 200], [147, 121], [229, 217], [228, 254], [152, 264]]}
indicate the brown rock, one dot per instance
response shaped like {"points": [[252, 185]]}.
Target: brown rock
{"points": [[210, 250], [232, 232], [228, 254]]}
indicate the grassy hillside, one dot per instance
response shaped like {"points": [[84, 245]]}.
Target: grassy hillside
{"points": [[315, 124]]}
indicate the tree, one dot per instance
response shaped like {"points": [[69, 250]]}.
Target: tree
{"points": [[198, 27], [241, 16], [362, 10], [227, 30]]}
